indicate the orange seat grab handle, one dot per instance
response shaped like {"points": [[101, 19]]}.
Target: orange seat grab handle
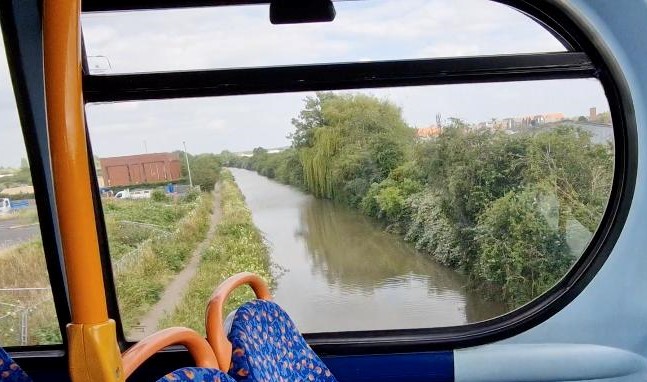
{"points": [[144, 349], [216, 334]]}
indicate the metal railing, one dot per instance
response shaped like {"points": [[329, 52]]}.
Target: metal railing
{"points": [[21, 313]]}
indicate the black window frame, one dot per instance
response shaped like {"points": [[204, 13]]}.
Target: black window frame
{"points": [[586, 57]]}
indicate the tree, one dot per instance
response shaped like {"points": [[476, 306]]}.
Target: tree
{"points": [[575, 169], [227, 158], [309, 119], [518, 249], [360, 139], [205, 171]]}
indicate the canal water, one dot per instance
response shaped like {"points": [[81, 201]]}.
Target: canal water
{"points": [[341, 272]]}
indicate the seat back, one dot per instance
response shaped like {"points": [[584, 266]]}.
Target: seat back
{"points": [[266, 346], [10, 371]]}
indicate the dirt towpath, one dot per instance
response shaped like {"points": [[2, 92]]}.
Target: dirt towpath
{"points": [[176, 289]]}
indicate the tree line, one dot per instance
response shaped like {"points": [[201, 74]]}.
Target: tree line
{"points": [[496, 206]]}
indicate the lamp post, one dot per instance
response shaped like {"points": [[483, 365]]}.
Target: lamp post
{"points": [[188, 168]]}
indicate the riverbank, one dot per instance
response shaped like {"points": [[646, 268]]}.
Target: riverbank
{"points": [[159, 258], [512, 212], [176, 289], [340, 270], [238, 246]]}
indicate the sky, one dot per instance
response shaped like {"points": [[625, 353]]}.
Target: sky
{"points": [[226, 37]]}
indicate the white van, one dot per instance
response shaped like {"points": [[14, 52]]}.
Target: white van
{"points": [[124, 194], [5, 206], [141, 194]]}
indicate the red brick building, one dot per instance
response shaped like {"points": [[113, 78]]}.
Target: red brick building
{"points": [[137, 169]]}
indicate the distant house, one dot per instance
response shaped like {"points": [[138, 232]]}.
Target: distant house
{"points": [[554, 117], [432, 131], [137, 169]]}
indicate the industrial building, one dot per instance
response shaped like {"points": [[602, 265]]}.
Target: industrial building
{"points": [[139, 169]]}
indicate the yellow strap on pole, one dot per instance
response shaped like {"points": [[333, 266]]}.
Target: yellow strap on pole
{"points": [[93, 351]]}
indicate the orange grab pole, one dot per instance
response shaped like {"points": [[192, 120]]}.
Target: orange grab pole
{"points": [[216, 334], [93, 351], [195, 344], [70, 160]]}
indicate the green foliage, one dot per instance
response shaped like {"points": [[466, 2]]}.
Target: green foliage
{"points": [[358, 140], [432, 231], [518, 249], [309, 119], [578, 171], [238, 246], [451, 195], [159, 196], [160, 253], [205, 170], [191, 196]]}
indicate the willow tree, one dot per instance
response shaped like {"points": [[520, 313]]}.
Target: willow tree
{"points": [[317, 162], [353, 140]]}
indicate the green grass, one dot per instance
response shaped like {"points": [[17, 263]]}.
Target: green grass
{"points": [[175, 230], [23, 266], [162, 256], [24, 216], [238, 246], [131, 222]]}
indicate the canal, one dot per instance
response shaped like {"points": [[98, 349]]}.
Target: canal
{"points": [[339, 271]]}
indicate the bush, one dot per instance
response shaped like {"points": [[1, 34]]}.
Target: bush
{"points": [[518, 249], [159, 196], [433, 232], [205, 170]]}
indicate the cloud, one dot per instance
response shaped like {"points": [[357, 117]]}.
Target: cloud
{"points": [[12, 146], [242, 36]]}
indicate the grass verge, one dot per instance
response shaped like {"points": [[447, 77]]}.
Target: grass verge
{"points": [[237, 246], [164, 235], [162, 256], [32, 309]]}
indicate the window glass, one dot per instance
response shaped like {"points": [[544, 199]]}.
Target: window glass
{"points": [[242, 36], [393, 208], [27, 315]]}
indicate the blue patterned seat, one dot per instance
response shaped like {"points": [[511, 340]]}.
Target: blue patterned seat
{"points": [[267, 347], [196, 374], [10, 371]]}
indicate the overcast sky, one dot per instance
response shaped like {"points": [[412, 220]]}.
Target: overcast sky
{"points": [[242, 36]]}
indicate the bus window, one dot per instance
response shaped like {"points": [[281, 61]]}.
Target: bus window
{"points": [[365, 209], [27, 315], [371, 30]]}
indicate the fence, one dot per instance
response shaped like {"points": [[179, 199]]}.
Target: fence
{"points": [[131, 258], [15, 318]]}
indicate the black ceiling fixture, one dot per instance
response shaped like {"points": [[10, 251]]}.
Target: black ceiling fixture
{"points": [[301, 11]]}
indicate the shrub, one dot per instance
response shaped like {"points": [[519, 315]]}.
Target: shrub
{"points": [[433, 232], [159, 196], [518, 249]]}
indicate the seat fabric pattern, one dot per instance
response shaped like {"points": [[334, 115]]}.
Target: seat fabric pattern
{"points": [[10, 371], [267, 347], [196, 374]]}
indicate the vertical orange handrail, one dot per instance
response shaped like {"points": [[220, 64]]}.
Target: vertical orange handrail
{"points": [[70, 161], [93, 351]]}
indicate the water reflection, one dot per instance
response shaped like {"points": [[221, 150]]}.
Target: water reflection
{"points": [[344, 273], [347, 249]]}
